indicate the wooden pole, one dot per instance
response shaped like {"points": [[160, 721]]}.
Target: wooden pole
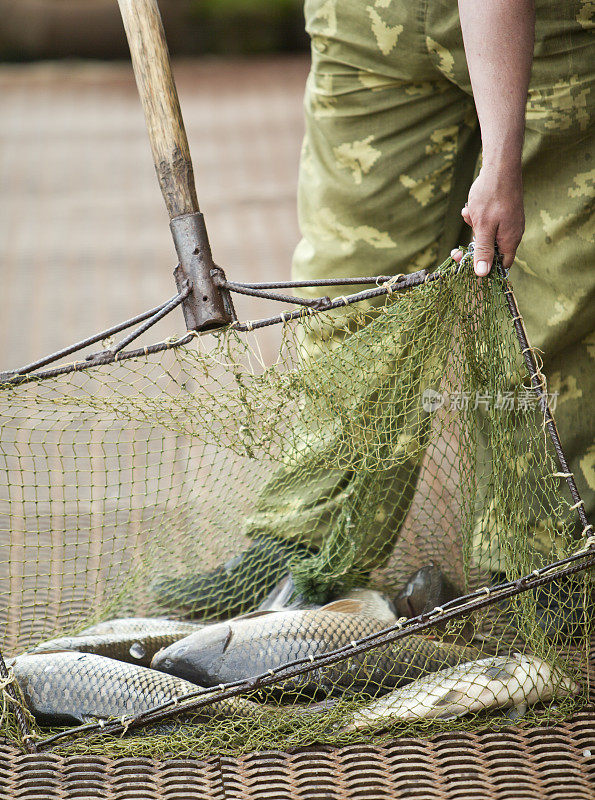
{"points": [[159, 98], [206, 306]]}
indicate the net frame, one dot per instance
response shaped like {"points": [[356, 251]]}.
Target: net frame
{"points": [[486, 596]]}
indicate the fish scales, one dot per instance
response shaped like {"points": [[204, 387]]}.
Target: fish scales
{"points": [[391, 665], [370, 602], [146, 625], [244, 648]]}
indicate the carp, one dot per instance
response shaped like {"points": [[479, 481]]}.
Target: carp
{"points": [[256, 643], [71, 687], [373, 603], [137, 645], [488, 683], [425, 589]]}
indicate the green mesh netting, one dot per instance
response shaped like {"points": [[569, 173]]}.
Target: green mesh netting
{"points": [[364, 446]]}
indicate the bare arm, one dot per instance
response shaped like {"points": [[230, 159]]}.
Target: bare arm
{"points": [[498, 36]]}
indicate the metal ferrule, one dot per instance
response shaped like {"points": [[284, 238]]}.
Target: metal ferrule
{"points": [[207, 306]]}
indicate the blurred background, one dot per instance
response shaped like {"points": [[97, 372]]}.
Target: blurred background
{"points": [[38, 29], [84, 237]]}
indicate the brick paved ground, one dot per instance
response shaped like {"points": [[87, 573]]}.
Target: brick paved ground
{"points": [[84, 238]]}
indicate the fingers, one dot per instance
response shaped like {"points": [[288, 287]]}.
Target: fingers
{"points": [[483, 254], [495, 217], [507, 259], [485, 235]]}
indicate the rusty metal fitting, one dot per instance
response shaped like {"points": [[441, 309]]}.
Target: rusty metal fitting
{"points": [[207, 306]]}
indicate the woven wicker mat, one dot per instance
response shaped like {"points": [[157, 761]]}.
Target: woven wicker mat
{"points": [[545, 763]]}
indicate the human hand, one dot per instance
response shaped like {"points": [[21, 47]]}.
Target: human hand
{"points": [[495, 212]]}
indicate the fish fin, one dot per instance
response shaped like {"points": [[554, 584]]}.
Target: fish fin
{"points": [[498, 673], [452, 696], [517, 712], [345, 606]]}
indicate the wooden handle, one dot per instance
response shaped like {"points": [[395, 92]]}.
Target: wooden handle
{"points": [[157, 90]]}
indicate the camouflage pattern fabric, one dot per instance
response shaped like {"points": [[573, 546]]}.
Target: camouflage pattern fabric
{"points": [[390, 150]]}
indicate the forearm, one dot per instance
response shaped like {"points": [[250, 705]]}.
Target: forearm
{"points": [[498, 36]]}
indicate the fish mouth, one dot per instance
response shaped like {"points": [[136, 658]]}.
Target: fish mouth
{"points": [[166, 665], [173, 664]]}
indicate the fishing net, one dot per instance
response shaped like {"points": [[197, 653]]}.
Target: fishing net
{"points": [[378, 439]]}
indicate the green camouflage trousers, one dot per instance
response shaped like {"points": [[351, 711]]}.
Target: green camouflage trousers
{"points": [[391, 148]]}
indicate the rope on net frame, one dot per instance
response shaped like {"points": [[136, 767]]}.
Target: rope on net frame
{"points": [[384, 285], [486, 596], [204, 294]]}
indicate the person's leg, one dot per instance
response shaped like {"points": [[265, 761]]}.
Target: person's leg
{"points": [[554, 275], [389, 149], [389, 152], [388, 157], [554, 272]]}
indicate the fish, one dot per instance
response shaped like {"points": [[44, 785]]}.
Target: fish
{"points": [[388, 666], [424, 591], [141, 625], [132, 648], [131, 639], [262, 641], [66, 687], [489, 683], [563, 608]]}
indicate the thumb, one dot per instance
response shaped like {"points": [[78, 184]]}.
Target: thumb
{"points": [[483, 253]]}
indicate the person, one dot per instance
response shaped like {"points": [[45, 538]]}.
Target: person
{"points": [[425, 120]]}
